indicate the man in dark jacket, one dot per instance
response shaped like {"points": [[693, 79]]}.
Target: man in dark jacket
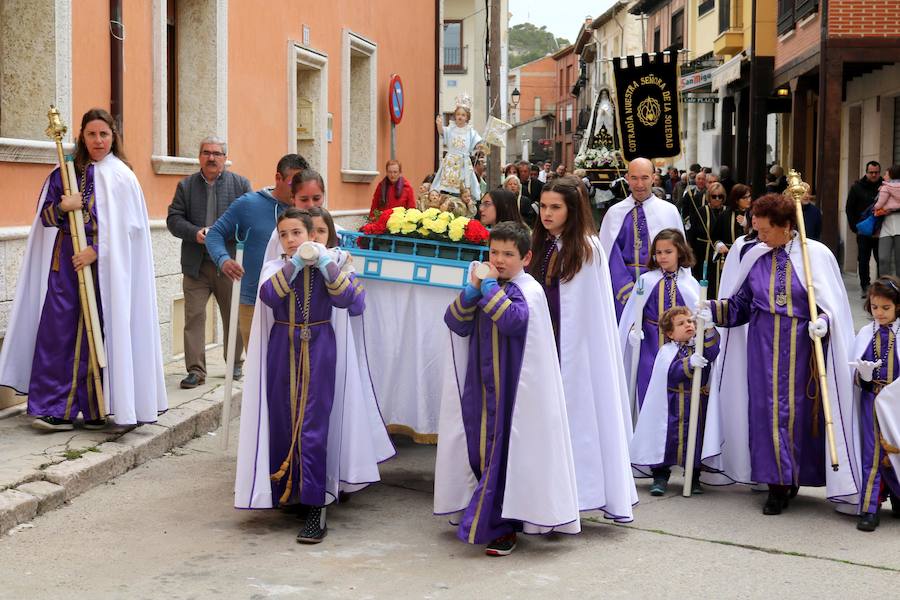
{"points": [[531, 191], [861, 197], [199, 200]]}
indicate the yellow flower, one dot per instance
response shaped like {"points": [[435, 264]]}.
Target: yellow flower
{"points": [[407, 228], [396, 220], [424, 231], [431, 213], [413, 215], [457, 228], [436, 225]]}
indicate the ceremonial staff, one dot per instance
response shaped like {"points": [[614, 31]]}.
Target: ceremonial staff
{"points": [[638, 327], [798, 189], [230, 350], [696, 384], [87, 296]]}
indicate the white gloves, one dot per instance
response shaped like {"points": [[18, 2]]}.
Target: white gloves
{"points": [[634, 337], [705, 315], [866, 368], [818, 328], [697, 361]]}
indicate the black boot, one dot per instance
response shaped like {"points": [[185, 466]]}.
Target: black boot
{"points": [[660, 481], [868, 521], [895, 506], [696, 488], [775, 503], [314, 529]]}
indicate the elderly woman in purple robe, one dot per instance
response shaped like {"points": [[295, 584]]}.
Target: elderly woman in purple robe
{"points": [[772, 418]]}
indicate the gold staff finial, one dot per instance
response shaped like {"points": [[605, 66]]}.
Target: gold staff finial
{"points": [[56, 129], [796, 187]]}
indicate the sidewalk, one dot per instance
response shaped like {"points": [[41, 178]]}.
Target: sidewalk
{"points": [[39, 471]]}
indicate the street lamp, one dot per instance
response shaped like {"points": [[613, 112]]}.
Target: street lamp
{"points": [[515, 97]]}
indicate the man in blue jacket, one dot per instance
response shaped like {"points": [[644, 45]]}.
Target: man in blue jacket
{"points": [[253, 216]]}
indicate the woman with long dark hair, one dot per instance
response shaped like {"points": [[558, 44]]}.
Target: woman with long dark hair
{"points": [[46, 352], [392, 191], [498, 206], [570, 264]]}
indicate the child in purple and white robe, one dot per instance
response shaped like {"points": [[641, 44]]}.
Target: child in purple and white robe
{"points": [[877, 366], [505, 461], [660, 437], [296, 386]]}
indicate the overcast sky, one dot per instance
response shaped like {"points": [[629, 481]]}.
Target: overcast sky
{"points": [[563, 18]]}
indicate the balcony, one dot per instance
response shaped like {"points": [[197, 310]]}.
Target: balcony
{"points": [[455, 59], [731, 29]]}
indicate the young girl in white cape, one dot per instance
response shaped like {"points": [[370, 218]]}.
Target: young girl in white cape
{"points": [[571, 266], [667, 284], [876, 366], [351, 450]]}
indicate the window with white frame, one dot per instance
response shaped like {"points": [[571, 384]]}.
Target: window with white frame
{"points": [[358, 105], [35, 72], [308, 101], [537, 106], [190, 100]]}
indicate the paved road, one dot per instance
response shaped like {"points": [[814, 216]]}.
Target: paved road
{"points": [[167, 530]]}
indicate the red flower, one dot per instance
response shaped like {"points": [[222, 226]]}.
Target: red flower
{"points": [[475, 232], [379, 226]]}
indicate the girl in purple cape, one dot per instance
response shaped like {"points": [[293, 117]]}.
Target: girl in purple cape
{"points": [[301, 368], [877, 366]]}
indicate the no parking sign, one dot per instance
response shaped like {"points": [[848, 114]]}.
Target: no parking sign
{"points": [[395, 99]]}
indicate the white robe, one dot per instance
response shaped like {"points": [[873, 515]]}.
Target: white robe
{"points": [[726, 447], [540, 470], [648, 446], [887, 407], [659, 213], [134, 387], [597, 400]]}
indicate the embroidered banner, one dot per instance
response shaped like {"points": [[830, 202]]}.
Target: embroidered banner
{"points": [[648, 106]]}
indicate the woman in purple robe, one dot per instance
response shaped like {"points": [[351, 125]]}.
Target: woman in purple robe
{"points": [[62, 385], [786, 424], [301, 368]]}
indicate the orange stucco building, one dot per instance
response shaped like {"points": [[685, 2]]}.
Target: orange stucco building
{"points": [[268, 77]]}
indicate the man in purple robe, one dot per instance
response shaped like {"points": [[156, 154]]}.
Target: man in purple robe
{"points": [[629, 227]]}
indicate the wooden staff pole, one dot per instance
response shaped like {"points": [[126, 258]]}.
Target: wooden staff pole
{"points": [[56, 130], [798, 189], [696, 384]]}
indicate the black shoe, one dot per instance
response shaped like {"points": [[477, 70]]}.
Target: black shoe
{"points": [[864, 291], [314, 530], [95, 424], [502, 546], [192, 381], [696, 488], [659, 486], [868, 521], [895, 506], [237, 373], [775, 503], [53, 424]]}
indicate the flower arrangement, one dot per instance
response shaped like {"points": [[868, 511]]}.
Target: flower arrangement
{"points": [[596, 158], [431, 223]]}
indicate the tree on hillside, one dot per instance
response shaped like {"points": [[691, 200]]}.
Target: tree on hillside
{"points": [[528, 42]]}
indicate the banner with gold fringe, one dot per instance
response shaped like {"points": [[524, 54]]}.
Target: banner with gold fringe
{"points": [[648, 105]]}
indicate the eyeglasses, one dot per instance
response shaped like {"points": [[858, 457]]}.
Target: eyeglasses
{"points": [[208, 153], [486, 203], [717, 196]]}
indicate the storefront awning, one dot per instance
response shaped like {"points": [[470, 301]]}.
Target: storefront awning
{"points": [[728, 72]]}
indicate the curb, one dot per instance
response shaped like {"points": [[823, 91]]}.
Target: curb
{"points": [[61, 482]]}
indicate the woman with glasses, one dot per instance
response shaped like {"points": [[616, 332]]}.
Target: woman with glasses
{"points": [[498, 206], [703, 222], [734, 223]]}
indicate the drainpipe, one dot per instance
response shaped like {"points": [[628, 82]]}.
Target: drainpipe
{"points": [[438, 70], [116, 63]]}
